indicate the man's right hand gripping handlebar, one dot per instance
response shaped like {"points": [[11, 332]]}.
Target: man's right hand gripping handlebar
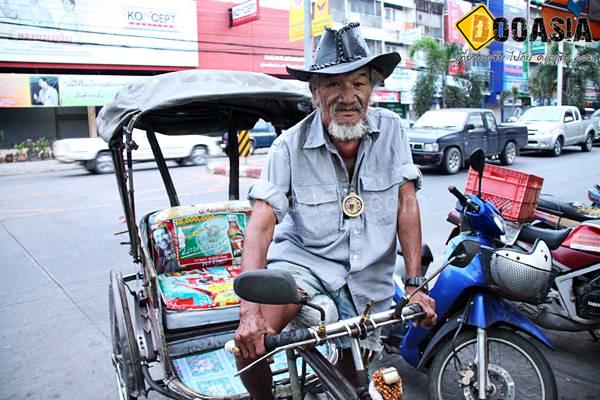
{"points": [[249, 337]]}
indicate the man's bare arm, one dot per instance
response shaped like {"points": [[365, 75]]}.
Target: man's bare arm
{"points": [[409, 229]]}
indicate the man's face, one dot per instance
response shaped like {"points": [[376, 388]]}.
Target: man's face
{"points": [[43, 84], [161, 238], [343, 98]]}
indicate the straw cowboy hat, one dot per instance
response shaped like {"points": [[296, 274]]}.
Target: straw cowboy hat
{"points": [[343, 51]]}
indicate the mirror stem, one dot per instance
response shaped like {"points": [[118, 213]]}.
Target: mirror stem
{"points": [[322, 318], [406, 298]]}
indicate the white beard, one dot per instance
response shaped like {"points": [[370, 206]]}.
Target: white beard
{"points": [[347, 132]]}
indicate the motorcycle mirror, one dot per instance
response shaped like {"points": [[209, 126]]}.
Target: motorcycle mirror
{"points": [[464, 253], [477, 161], [264, 286]]}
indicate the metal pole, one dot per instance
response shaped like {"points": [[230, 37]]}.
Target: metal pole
{"points": [[307, 34], [559, 78]]}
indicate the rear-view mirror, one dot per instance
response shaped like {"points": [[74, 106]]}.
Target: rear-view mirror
{"points": [[267, 287], [464, 253], [477, 160], [469, 127]]}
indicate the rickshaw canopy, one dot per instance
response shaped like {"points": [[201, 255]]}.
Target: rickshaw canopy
{"points": [[201, 102]]}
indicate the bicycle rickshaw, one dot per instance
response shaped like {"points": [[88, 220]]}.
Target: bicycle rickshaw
{"points": [[179, 309]]}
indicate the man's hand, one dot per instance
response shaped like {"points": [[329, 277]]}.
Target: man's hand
{"points": [[427, 304], [249, 337]]}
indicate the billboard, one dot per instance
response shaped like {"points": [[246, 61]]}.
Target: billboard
{"points": [[113, 32], [456, 10], [24, 90]]}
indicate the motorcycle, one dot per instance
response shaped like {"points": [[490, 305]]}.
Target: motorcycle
{"points": [[573, 303], [555, 213], [479, 350]]}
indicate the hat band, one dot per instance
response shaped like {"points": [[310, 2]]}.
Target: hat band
{"points": [[316, 67]]}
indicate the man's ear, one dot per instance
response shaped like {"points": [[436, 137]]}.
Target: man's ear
{"points": [[315, 94]]}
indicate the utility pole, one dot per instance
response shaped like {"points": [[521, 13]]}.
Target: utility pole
{"points": [[307, 34], [559, 77]]}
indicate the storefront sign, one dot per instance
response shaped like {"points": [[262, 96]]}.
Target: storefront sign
{"points": [[242, 13], [320, 19], [90, 90], [114, 32], [385, 96], [402, 79]]}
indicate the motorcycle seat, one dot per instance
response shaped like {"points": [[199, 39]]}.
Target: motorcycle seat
{"points": [[553, 238], [571, 210]]}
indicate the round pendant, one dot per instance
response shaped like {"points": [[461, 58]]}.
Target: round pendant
{"points": [[352, 205]]}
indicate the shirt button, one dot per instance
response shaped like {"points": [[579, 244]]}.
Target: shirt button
{"points": [[354, 257], [356, 232]]}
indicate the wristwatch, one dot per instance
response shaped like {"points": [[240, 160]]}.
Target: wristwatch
{"points": [[416, 282]]}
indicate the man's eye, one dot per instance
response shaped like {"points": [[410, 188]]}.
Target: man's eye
{"points": [[333, 84]]}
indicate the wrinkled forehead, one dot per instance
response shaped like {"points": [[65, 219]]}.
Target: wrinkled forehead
{"points": [[363, 72]]}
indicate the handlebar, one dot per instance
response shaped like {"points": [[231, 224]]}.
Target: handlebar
{"points": [[354, 327], [463, 200]]}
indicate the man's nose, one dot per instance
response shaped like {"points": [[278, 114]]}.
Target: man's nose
{"points": [[348, 94]]}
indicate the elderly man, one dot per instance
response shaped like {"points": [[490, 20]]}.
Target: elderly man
{"points": [[337, 192]]}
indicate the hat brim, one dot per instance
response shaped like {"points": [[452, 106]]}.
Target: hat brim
{"points": [[384, 63]]}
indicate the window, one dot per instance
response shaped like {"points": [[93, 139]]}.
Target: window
{"points": [[490, 121], [476, 120], [569, 116]]}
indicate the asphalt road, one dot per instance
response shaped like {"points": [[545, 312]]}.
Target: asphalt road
{"points": [[57, 246]]}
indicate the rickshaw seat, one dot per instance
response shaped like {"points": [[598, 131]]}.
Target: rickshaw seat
{"points": [[196, 251]]}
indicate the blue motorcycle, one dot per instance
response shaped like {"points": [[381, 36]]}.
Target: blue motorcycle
{"points": [[482, 347]]}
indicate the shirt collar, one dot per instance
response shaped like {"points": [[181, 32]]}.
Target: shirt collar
{"points": [[316, 133]]}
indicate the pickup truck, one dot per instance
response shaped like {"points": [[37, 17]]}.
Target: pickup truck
{"points": [[447, 137], [94, 155], [553, 127]]}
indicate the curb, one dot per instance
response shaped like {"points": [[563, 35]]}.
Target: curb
{"points": [[246, 171], [35, 167]]}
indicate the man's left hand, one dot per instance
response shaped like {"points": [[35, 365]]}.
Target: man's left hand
{"points": [[427, 304]]}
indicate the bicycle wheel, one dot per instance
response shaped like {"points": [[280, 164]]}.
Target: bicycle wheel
{"points": [[517, 370]]}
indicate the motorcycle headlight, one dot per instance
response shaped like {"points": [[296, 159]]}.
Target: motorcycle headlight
{"points": [[431, 147]]}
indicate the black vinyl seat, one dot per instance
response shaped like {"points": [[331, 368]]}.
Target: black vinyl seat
{"points": [[552, 237]]}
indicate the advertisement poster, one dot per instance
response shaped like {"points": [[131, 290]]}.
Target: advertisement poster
{"points": [[115, 32], [15, 90], [90, 90], [209, 239], [456, 10]]}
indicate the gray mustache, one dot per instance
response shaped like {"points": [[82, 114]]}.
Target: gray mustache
{"points": [[341, 107]]}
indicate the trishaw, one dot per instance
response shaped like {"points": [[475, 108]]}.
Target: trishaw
{"points": [[170, 320]]}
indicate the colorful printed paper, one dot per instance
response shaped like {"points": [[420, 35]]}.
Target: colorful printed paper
{"points": [[199, 289]]}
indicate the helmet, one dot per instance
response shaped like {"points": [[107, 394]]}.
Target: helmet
{"points": [[523, 275], [594, 194]]}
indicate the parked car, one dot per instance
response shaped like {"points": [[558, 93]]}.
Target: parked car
{"points": [[553, 127], [261, 136], [594, 116], [94, 155], [447, 137]]}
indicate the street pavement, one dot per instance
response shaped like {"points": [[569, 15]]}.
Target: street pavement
{"points": [[58, 244]]}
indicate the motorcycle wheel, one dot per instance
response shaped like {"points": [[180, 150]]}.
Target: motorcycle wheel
{"points": [[516, 369], [125, 354]]}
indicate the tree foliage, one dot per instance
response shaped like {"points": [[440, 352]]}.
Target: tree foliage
{"points": [[424, 92]]}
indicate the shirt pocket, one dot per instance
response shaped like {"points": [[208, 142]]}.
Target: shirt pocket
{"points": [[317, 212], [380, 193]]}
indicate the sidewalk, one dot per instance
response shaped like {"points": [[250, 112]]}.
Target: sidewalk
{"points": [[248, 169], [35, 167]]}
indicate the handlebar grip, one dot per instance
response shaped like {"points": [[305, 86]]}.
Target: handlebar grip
{"points": [[284, 338], [413, 309], [462, 199]]}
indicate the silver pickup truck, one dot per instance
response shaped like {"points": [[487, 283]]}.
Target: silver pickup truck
{"points": [[553, 127]]}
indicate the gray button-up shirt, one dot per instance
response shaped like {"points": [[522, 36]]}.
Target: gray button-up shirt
{"points": [[305, 181]]}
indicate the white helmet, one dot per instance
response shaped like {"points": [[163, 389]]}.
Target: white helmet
{"points": [[524, 275]]}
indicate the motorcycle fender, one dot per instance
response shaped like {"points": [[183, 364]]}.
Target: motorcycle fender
{"points": [[497, 313]]}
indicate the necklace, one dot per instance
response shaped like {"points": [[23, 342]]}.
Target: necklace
{"points": [[352, 205]]}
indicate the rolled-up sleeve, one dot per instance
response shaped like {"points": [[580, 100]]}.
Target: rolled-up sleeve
{"points": [[273, 185], [410, 172]]}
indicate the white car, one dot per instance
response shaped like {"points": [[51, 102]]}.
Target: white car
{"points": [[553, 127], [94, 155]]}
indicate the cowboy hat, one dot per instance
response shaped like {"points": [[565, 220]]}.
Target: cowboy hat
{"points": [[343, 51]]}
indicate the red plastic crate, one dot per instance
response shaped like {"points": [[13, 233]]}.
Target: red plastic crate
{"points": [[513, 192]]}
